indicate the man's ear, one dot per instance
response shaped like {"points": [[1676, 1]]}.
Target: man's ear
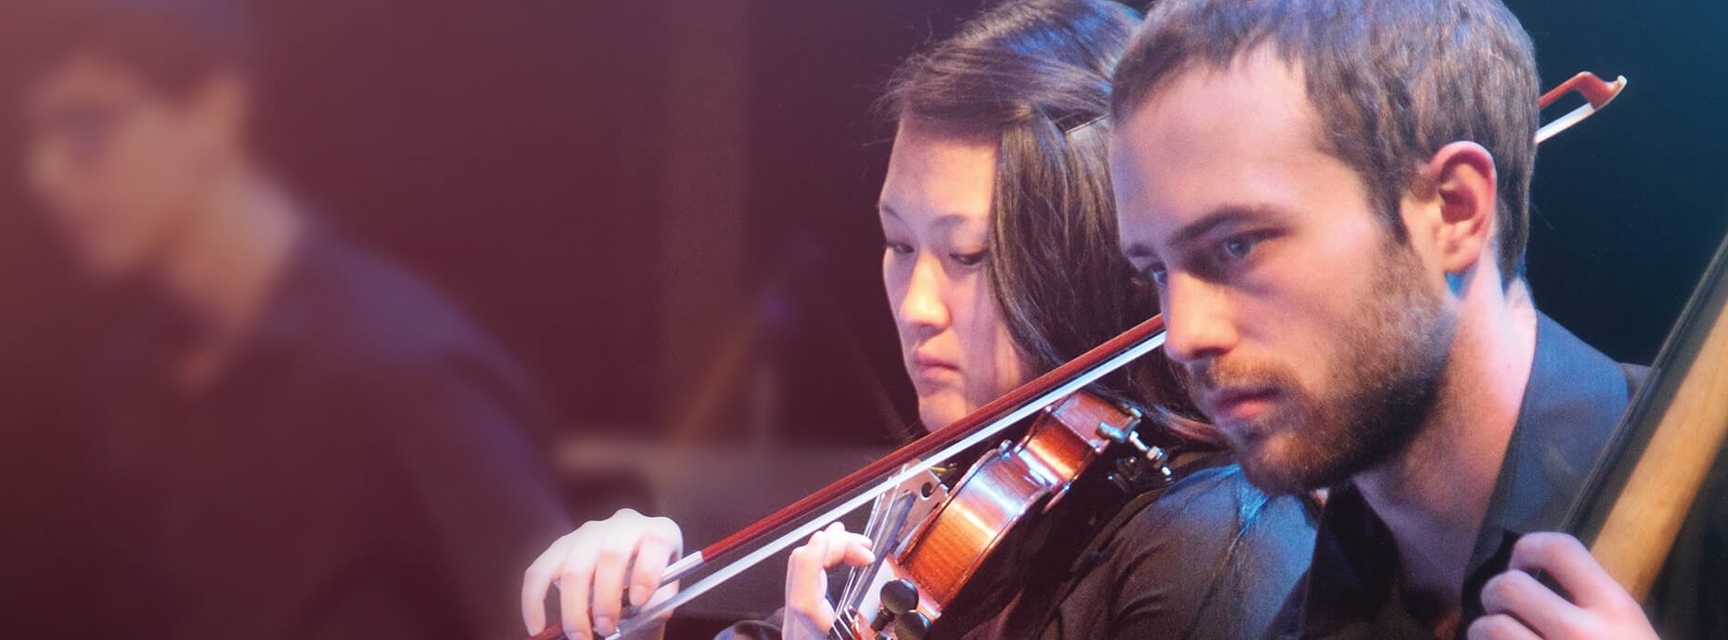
{"points": [[1462, 177]]}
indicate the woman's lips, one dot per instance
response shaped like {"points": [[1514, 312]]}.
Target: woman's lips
{"points": [[926, 370]]}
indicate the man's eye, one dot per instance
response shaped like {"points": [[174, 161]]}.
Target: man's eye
{"points": [[968, 259], [1157, 274], [1238, 247], [900, 248]]}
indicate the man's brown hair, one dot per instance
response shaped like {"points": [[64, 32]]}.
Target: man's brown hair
{"points": [[1392, 80]]}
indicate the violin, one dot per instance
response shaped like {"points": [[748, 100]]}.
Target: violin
{"points": [[930, 539]]}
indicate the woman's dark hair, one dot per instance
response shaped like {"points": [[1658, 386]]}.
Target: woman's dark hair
{"points": [[1036, 76]]}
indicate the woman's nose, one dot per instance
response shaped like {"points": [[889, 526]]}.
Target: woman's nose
{"points": [[923, 307]]}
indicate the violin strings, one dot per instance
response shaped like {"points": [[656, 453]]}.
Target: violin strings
{"points": [[887, 524]]}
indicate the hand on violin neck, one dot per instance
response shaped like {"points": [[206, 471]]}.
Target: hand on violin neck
{"points": [[596, 568], [809, 615]]}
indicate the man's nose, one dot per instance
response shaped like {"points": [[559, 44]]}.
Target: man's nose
{"points": [[1198, 322]]}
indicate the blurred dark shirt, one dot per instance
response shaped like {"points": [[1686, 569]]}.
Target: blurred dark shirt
{"points": [[366, 467]]}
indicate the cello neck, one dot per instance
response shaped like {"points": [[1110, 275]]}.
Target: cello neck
{"points": [[1642, 489]]}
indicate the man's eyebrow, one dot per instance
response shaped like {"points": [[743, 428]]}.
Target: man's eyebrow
{"points": [[1222, 216]]}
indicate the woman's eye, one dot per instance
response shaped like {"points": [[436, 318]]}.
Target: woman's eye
{"points": [[968, 259], [900, 248]]}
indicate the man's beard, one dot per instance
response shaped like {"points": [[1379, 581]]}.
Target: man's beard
{"points": [[1380, 389]]}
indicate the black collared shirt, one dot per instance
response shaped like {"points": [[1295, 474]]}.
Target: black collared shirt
{"points": [[1574, 399], [363, 469]]}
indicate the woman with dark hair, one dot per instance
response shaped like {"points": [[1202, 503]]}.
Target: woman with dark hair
{"points": [[1001, 263]]}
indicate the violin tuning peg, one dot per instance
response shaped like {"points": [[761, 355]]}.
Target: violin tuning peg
{"points": [[1131, 410], [1111, 433], [1122, 483], [1129, 475], [1128, 437], [912, 626], [1114, 434], [899, 597], [884, 618]]}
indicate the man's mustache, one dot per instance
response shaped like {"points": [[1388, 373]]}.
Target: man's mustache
{"points": [[1212, 374]]}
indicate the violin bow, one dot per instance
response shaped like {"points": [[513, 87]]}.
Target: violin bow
{"points": [[1597, 93]]}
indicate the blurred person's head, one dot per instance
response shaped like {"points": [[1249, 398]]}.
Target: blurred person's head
{"points": [[1001, 259], [1332, 196], [134, 111]]}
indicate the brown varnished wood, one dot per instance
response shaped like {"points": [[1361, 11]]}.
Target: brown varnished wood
{"points": [[1000, 490], [1645, 485]]}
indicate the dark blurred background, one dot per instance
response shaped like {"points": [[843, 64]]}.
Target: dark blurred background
{"points": [[665, 207]]}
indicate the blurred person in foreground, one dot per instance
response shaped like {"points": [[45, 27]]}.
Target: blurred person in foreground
{"points": [[1000, 263], [298, 439]]}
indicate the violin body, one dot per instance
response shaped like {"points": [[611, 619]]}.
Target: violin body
{"points": [[922, 572]]}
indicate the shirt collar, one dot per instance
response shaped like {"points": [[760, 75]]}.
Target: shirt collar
{"points": [[1573, 400]]}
